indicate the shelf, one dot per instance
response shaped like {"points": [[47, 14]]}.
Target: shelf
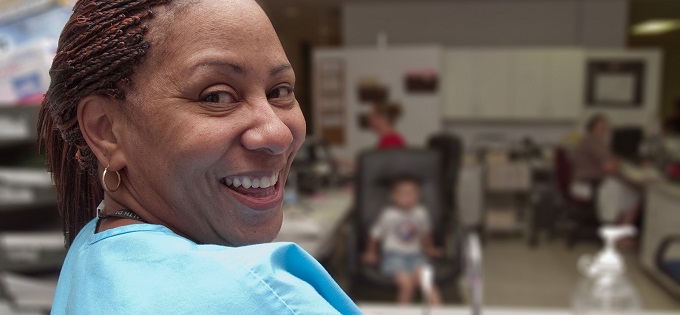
{"points": [[31, 251], [26, 199], [25, 177], [24, 188], [18, 125]]}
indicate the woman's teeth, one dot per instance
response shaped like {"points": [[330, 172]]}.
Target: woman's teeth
{"points": [[252, 182]]}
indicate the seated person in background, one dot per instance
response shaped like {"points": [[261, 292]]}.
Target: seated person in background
{"points": [[594, 165], [592, 159], [403, 230]]}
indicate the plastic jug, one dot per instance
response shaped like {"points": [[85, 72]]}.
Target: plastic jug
{"points": [[605, 289]]}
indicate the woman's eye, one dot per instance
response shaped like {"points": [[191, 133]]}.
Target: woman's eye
{"points": [[218, 97], [280, 92]]}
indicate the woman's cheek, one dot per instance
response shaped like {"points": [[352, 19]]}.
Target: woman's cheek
{"points": [[297, 125]]}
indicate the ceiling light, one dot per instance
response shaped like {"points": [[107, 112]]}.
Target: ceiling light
{"points": [[656, 27]]}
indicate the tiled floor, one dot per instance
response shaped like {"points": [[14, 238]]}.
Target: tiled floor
{"points": [[516, 275]]}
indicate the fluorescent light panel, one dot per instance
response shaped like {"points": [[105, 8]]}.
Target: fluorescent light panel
{"points": [[655, 27]]}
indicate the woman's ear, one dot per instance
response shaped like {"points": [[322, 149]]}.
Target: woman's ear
{"points": [[96, 118]]}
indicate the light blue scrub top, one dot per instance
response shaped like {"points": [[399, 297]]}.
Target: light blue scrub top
{"points": [[148, 269]]}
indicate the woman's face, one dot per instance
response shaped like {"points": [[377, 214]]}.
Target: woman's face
{"points": [[211, 117], [601, 129]]}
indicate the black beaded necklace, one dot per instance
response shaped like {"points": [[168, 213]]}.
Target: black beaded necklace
{"points": [[122, 213]]}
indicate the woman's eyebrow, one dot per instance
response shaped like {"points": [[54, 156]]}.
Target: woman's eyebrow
{"points": [[221, 64], [280, 68]]}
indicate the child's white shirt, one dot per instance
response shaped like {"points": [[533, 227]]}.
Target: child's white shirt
{"points": [[401, 231]]}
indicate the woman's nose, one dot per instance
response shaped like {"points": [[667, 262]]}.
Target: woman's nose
{"points": [[268, 132]]}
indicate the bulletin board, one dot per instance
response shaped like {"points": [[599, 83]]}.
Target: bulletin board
{"points": [[330, 95]]}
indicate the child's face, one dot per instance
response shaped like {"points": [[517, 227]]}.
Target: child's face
{"points": [[405, 195]]}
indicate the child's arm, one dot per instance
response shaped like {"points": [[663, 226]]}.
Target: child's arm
{"points": [[426, 239], [371, 255], [429, 247]]}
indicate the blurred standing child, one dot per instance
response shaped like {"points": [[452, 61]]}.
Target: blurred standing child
{"points": [[403, 230], [382, 121]]}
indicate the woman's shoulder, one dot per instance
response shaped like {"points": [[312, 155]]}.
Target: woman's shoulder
{"points": [[151, 266], [150, 244]]}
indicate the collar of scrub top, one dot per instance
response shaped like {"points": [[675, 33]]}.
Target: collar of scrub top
{"points": [[122, 213]]}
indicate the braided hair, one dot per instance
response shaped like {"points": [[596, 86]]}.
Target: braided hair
{"points": [[98, 50]]}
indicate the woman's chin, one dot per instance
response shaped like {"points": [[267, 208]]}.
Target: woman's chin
{"points": [[261, 228]]}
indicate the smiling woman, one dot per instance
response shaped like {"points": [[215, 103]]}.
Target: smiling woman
{"points": [[179, 118]]}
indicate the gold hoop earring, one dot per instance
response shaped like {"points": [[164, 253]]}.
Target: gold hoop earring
{"points": [[106, 187]]}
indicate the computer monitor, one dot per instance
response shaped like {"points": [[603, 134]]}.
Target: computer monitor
{"points": [[626, 141]]}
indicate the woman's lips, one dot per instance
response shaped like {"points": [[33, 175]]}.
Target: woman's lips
{"points": [[255, 198]]}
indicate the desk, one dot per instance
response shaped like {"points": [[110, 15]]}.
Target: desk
{"points": [[662, 216], [315, 221], [639, 176], [662, 219], [381, 309]]}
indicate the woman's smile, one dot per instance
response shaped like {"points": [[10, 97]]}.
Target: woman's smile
{"points": [[261, 190]]}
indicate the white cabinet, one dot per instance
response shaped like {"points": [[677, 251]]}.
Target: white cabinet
{"points": [[528, 98], [477, 83], [492, 87], [566, 82], [459, 100], [513, 83]]}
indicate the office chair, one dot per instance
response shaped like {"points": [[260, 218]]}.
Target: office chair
{"points": [[450, 148], [668, 265], [376, 168], [581, 214]]}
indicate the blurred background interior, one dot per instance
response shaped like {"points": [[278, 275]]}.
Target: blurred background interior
{"points": [[490, 101]]}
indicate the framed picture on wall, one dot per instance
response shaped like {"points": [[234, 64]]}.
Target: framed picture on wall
{"points": [[421, 81], [615, 83]]}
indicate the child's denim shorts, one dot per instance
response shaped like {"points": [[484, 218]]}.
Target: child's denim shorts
{"points": [[394, 262]]}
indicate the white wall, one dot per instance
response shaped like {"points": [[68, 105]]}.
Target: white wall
{"points": [[588, 23], [421, 113], [597, 24]]}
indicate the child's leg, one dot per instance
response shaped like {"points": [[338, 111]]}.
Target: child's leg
{"points": [[434, 297], [406, 287]]}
